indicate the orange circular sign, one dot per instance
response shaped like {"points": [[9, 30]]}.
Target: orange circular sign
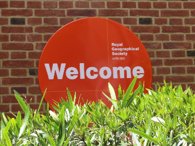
{"points": [[86, 54]]}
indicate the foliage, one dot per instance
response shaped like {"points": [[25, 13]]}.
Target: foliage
{"points": [[163, 117]]}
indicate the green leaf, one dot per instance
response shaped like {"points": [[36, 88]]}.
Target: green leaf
{"points": [[51, 140], [120, 92], [114, 102], [42, 100], [70, 98], [62, 127], [129, 92], [5, 134], [4, 119], [142, 134], [22, 103], [112, 92], [26, 110], [19, 119]]}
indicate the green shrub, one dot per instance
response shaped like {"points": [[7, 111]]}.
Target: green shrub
{"points": [[164, 117]]}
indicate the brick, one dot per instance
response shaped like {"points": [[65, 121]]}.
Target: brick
{"points": [[175, 5], [46, 29], [160, 21], [176, 45], [190, 70], [49, 13], [64, 21], [191, 53], [4, 38], [160, 5], [156, 62], [151, 54], [34, 4], [9, 99], [18, 72], [177, 37], [175, 21], [157, 79], [4, 108], [163, 54], [115, 12], [190, 37], [79, 12], [51, 21], [17, 12], [146, 29], [145, 20], [4, 90], [17, 21], [66, 4], [193, 13], [189, 5], [171, 13], [96, 4], [36, 79], [3, 4], [178, 53], [20, 90], [146, 37], [47, 37], [163, 70], [17, 81], [82, 4], [129, 21], [193, 28], [151, 13], [189, 21], [17, 4], [34, 55], [113, 4], [18, 63], [39, 46], [3, 21], [4, 72], [178, 70], [144, 5], [18, 37], [34, 90], [178, 79], [173, 29], [50, 4], [34, 21], [129, 4], [119, 20], [4, 55], [16, 107], [33, 72], [178, 62], [34, 38], [152, 45], [18, 55], [16, 29], [162, 37], [17, 46]]}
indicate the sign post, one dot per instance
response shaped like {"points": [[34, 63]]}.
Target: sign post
{"points": [[86, 54]]}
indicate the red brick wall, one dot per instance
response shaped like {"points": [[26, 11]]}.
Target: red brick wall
{"points": [[166, 28]]}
